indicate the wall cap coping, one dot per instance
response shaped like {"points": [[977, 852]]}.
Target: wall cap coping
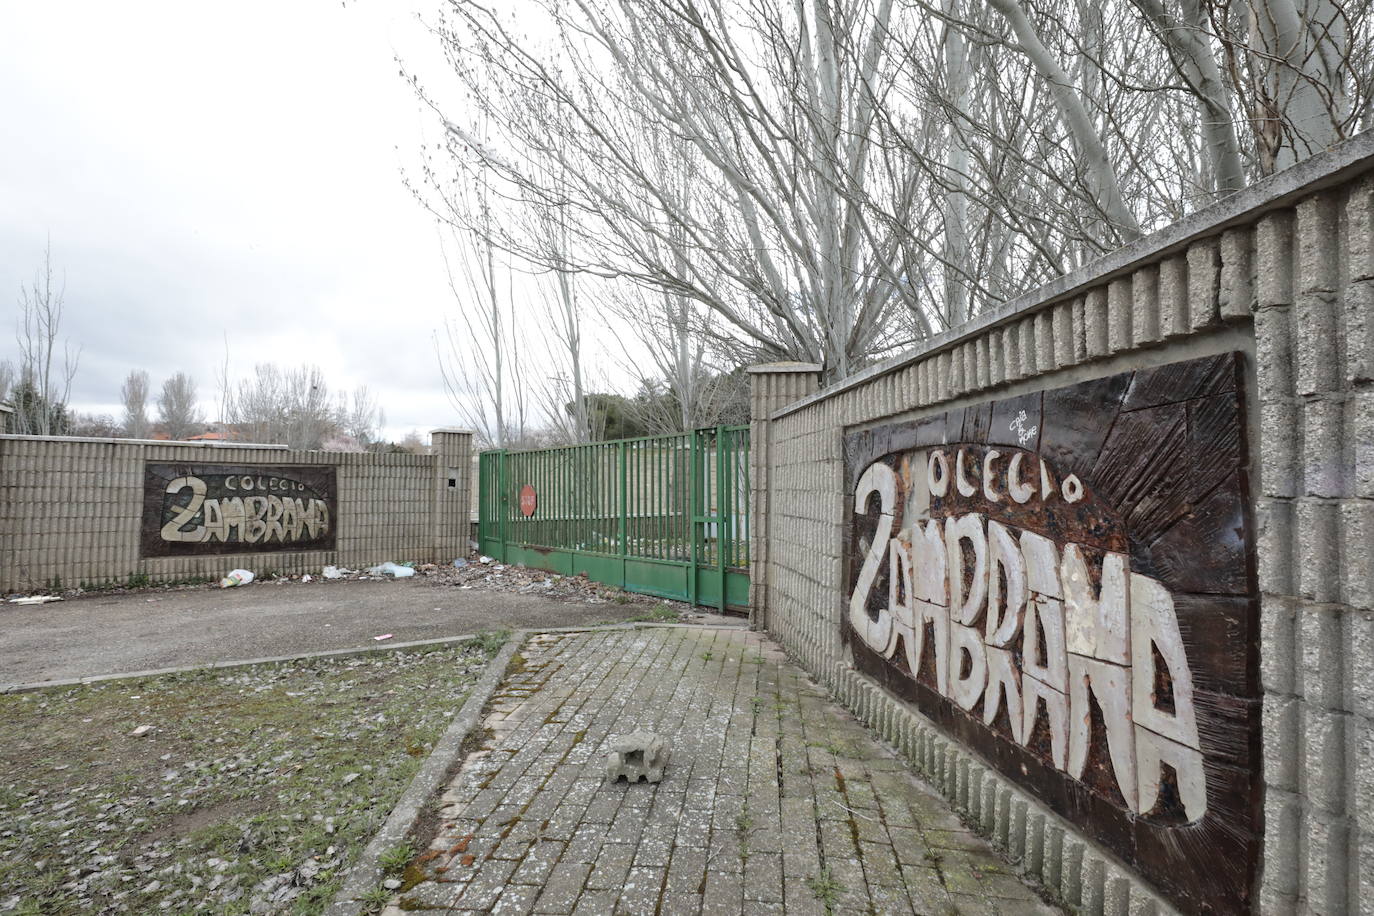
{"points": [[113, 440], [1335, 166], [770, 368], [451, 429]]}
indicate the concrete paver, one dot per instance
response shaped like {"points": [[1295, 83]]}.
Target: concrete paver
{"points": [[774, 799]]}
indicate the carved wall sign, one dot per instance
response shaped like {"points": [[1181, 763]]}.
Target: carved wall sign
{"points": [[218, 509], [1064, 582]]}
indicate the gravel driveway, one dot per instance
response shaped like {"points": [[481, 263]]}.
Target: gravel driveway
{"points": [[157, 628]]}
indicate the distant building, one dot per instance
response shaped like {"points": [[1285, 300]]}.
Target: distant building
{"points": [[6, 417]]}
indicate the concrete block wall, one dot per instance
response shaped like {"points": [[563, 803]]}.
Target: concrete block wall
{"points": [[1283, 272], [70, 509]]}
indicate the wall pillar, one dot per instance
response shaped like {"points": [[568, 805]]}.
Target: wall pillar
{"points": [[772, 387], [452, 449]]}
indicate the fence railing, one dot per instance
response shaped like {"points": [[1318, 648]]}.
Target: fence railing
{"points": [[664, 515]]}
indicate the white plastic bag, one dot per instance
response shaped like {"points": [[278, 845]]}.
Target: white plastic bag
{"points": [[333, 572], [236, 577], [400, 572]]}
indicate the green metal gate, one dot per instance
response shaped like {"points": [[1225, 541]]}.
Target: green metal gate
{"points": [[663, 515]]}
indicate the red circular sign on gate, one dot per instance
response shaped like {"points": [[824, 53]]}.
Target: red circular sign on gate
{"points": [[528, 500]]}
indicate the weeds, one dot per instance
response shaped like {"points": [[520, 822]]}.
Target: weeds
{"points": [[395, 859], [825, 888]]}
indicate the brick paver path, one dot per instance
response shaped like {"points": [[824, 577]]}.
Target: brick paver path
{"points": [[775, 799]]}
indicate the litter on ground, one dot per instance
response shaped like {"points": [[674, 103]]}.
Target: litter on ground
{"points": [[395, 569], [236, 577], [35, 599], [383, 636]]}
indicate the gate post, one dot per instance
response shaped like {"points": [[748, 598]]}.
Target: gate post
{"points": [[453, 484], [772, 386]]}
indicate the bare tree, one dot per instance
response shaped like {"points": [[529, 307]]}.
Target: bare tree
{"points": [[134, 394], [358, 416], [480, 353], [290, 406], [177, 411], [761, 99], [43, 381], [7, 376]]}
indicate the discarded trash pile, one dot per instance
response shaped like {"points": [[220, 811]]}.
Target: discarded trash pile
{"points": [[473, 572], [484, 572]]}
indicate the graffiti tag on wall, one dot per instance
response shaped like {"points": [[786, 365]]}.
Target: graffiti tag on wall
{"points": [[218, 509], [1063, 582]]}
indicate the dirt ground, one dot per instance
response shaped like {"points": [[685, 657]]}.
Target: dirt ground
{"points": [[164, 628]]}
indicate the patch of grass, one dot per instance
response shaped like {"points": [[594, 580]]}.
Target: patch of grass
{"points": [[491, 641], [826, 889], [138, 580], [256, 784], [706, 656], [395, 859], [375, 899], [659, 613]]}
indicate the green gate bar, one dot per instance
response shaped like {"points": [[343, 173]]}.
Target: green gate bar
{"points": [[662, 515]]}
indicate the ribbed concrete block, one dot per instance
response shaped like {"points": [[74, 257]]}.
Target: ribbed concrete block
{"points": [[1362, 805], [1033, 861], [1142, 903], [1274, 521], [1278, 643], [1322, 644], [1016, 829], [1281, 741], [1001, 821], [974, 803], [1359, 435], [1116, 893], [1358, 307], [1052, 872], [1274, 250], [1062, 332], [1071, 871], [1012, 369], [1095, 322], [1237, 293], [1092, 894], [1274, 353], [1044, 341], [997, 364], [1026, 328], [1359, 219], [1325, 861], [1323, 749], [1080, 332], [1119, 320], [1359, 665], [1204, 283], [1173, 297], [1279, 456], [1317, 554], [1315, 318], [983, 361], [987, 804], [1282, 823], [956, 372], [1323, 465], [1145, 305], [1362, 864]]}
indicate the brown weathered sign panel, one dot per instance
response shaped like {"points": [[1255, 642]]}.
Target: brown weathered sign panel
{"points": [[199, 509], [1064, 582]]}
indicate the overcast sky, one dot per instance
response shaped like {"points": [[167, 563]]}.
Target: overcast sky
{"points": [[204, 170]]}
